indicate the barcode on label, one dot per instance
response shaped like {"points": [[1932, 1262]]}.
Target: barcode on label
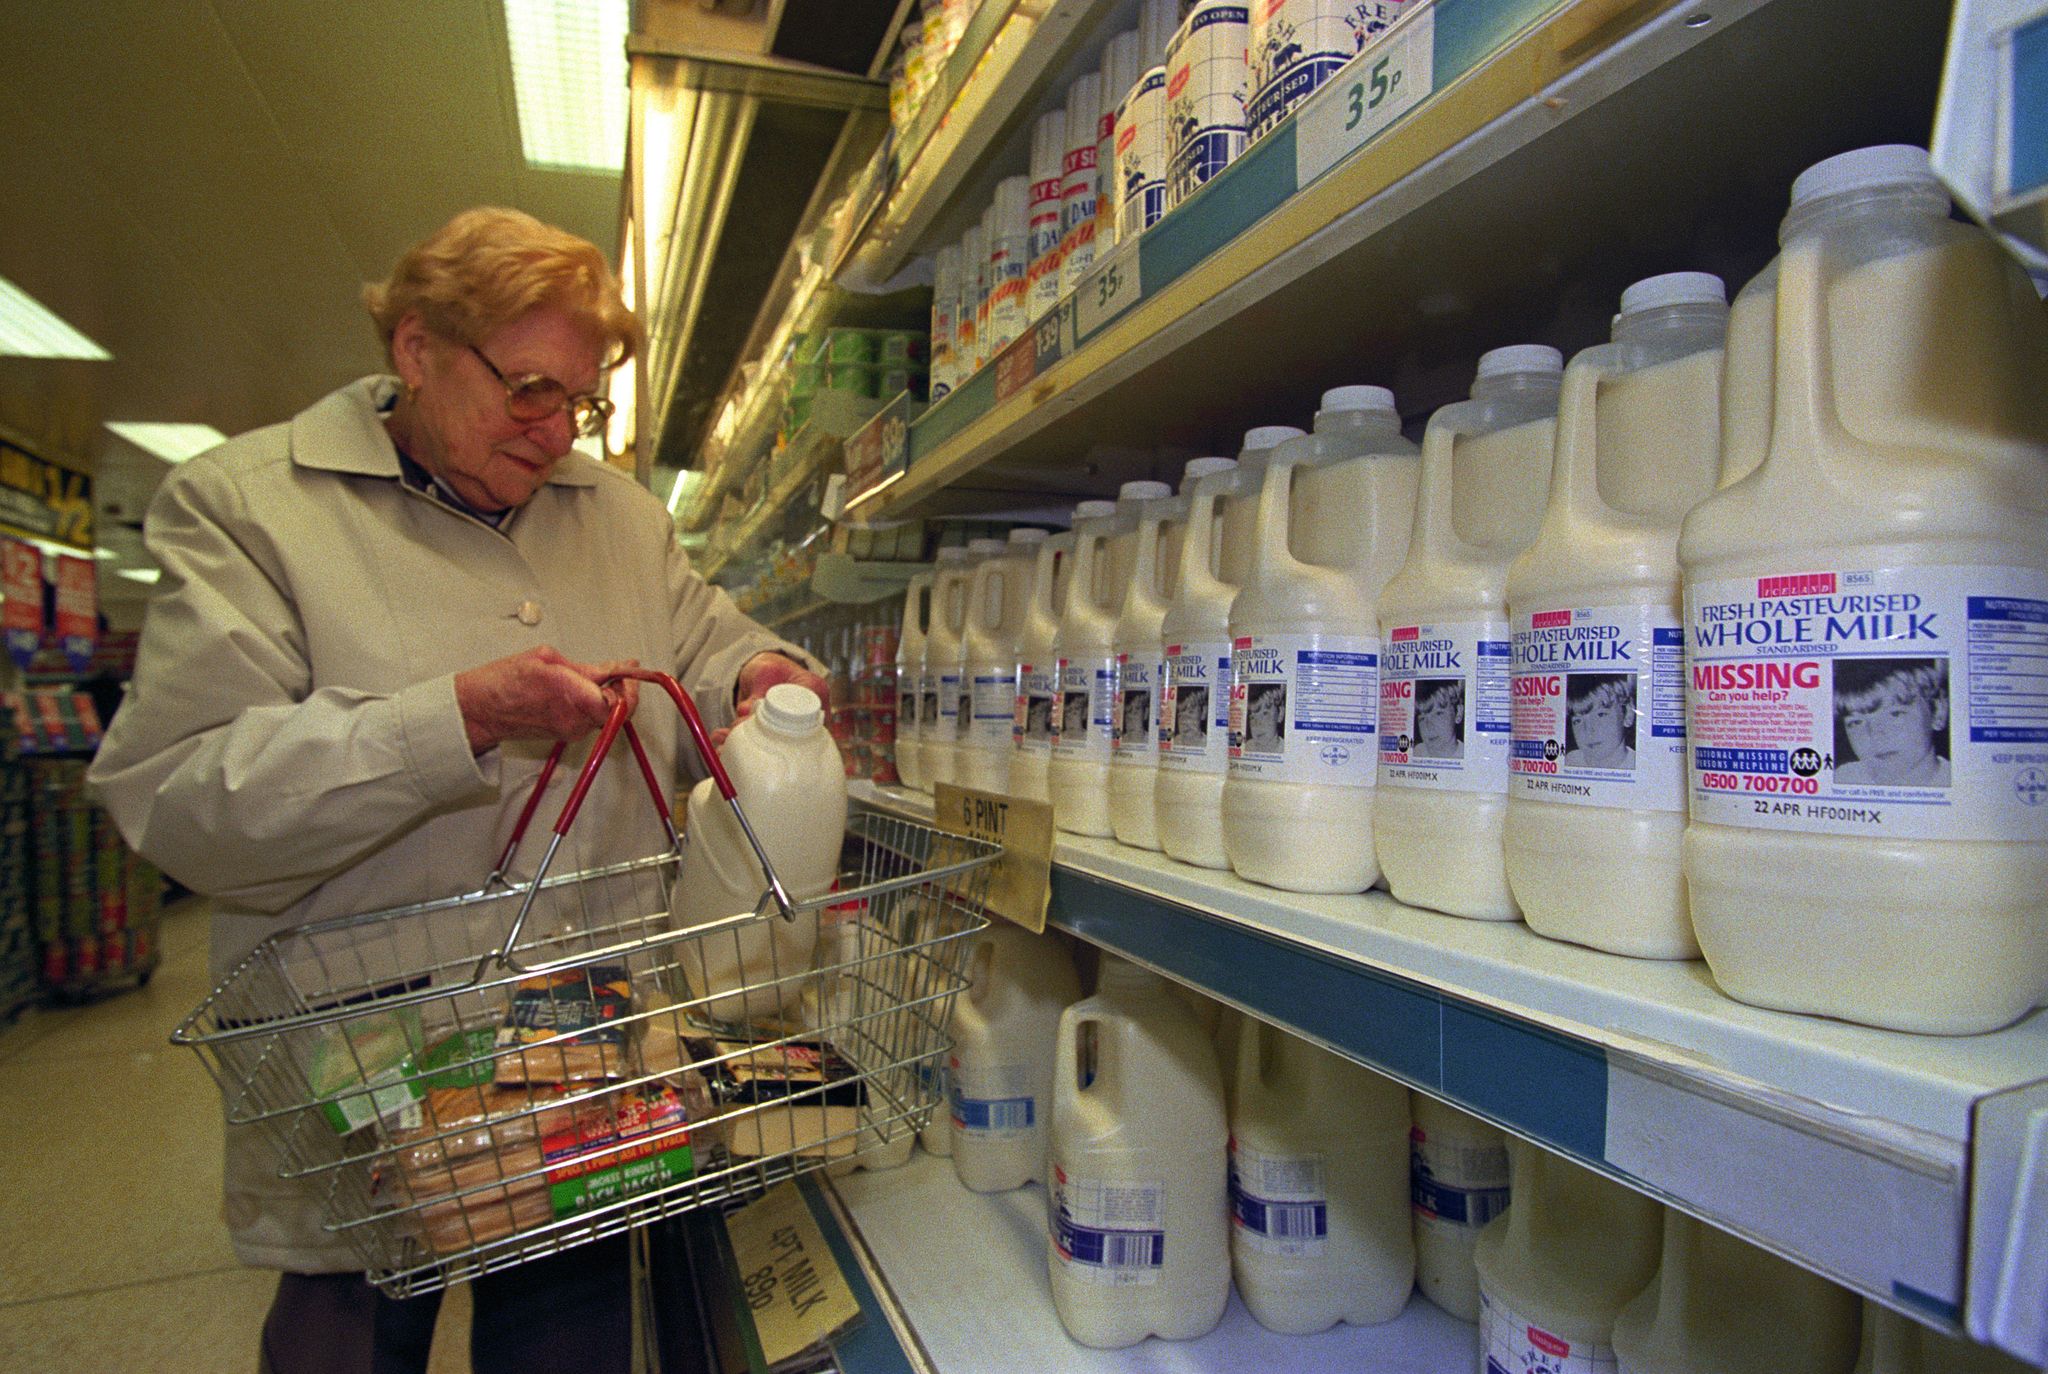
{"points": [[1133, 1252], [1001, 1114]]}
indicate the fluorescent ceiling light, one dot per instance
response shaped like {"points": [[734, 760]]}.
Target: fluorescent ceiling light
{"points": [[29, 330], [569, 75], [139, 574], [173, 443]]}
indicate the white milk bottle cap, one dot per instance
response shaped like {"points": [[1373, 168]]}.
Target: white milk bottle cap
{"points": [[1674, 288], [1358, 398], [1865, 169], [1203, 467], [1520, 358], [982, 548], [1048, 145], [1269, 436], [1094, 510], [1143, 491], [1027, 534], [1011, 212], [953, 553], [789, 709]]}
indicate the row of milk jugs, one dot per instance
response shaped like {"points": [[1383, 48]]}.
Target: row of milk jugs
{"points": [[1731, 637], [1183, 1146]]}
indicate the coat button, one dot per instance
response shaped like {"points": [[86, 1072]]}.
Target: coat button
{"points": [[529, 613]]}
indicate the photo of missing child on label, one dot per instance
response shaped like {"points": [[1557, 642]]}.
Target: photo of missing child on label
{"points": [[1439, 718], [1038, 717], [1074, 716], [1191, 718], [1265, 717], [1600, 720], [1136, 723], [1891, 722]]}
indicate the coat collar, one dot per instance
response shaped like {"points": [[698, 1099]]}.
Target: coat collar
{"points": [[344, 432]]}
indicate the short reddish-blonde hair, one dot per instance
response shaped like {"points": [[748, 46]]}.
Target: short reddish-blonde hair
{"points": [[488, 266]]}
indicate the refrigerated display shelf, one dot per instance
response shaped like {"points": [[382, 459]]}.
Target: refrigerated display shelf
{"points": [[1849, 1150], [812, 449]]}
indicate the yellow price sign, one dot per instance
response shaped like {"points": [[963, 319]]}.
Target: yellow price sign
{"points": [[1020, 883], [791, 1284]]}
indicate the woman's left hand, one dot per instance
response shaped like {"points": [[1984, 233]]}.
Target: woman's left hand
{"points": [[765, 670]]}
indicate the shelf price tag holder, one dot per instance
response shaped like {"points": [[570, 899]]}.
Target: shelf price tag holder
{"points": [[1107, 292], [794, 1292], [1377, 87], [1020, 882]]}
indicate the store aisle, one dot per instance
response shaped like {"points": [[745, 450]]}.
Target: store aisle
{"points": [[115, 1258]]}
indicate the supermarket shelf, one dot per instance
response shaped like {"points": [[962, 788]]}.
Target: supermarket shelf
{"points": [[1546, 169], [965, 1278], [859, 582], [1782, 1128], [813, 448]]}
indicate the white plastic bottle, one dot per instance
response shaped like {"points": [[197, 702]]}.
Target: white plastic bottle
{"points": [[945, 319], [1009, 264], [997, 600], [1457, 1182], [1042, 236], [1005, 1034], [1867, 618], [1305, 646], [1722, 1306], [1596, 800], [1194, 725], [1141, 667], [1445, 663], [1080, 183], [917, 604], [1138, 1200], [1558, 1266], [970, 349], [792, 784], [1893, 1344], [1081, 744], [1038, 669], [939, 714], [1318, 1187]]}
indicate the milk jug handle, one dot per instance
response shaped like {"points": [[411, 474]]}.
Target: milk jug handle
{"points": [[1433, 497], [1576, 475], [1270, 529], [1804, 418]]}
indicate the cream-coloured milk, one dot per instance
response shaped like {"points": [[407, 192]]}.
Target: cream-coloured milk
{"points": [[1558, 1266], [1868, 627], [1893, 1344], [1457, 1183], [917, 603], [938, 717], [1141, 667], [1194, 752], [1596, 797], [998, 599], [1038, 669], [1318, 1186], [1305, 648], [1138, 1202], [1005, 1033], [1722, 1306], [1446, 647], [792, 784]]}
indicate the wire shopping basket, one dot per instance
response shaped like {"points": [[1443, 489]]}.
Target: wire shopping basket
{"points": [[481, 1080]]}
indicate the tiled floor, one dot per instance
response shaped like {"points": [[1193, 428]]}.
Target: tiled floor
{"points": [[112, 1254]]}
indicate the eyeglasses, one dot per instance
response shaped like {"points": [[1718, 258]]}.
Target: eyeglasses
{"points": [[531, 397]]}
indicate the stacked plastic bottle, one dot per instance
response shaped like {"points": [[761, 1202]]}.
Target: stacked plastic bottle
{"points": [[938, 732], [998, 599], [970, 348], [1031, 729], [1458, 1182], [1005, 1031]]}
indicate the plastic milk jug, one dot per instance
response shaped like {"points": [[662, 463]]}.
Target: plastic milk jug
{"points": [[1558, 1266], [1893, 1344], [1038, 669], [1079, 181], [1867, 615], [1048, 150], [1005, 1031], [1457, 1182], [1141, 663], [1318, 1187], [1722, 1306], [969, 348], [1444, 670], [792, 783], [1081, 744], [1305, 646], [917, 604], [939, 713], [1194, 726], [1120, 68], [1138, 1204], [1596, 796], [997, 600]]}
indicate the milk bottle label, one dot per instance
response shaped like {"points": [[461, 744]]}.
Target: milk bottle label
{"points": [[947, 713], [1205, 98], [1295, 46], [1112, 1234], [928, 698], [1008, 266], [1042, 278], [1303, 708], [1460, 1186], [1134, 740], [1077, 214], [993, 706], [1599, 708], [1445, 718], [993, 1101], [1037, 706], [906, 701], [1902, 702], [1087, 689], [1194, 719], [1141, 157], [1279, 1204], [963, 710], [1511, 1344]]}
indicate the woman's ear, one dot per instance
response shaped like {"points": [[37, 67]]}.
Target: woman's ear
{"points": [[411, 341]]}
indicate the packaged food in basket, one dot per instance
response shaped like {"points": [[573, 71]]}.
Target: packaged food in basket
{"points": [[568, 1027], [363, 1068]]}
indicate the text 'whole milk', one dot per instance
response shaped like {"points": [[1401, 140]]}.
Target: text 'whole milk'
{"points": [[1457, 1182], [1005, 1031], [1558, 1266], [1294, 46], [997, 601], [1446, 655], [1305, 648], [1206, 79], [1038, 669], [1867, 617], [1138, 1202], [939, 712], [1141, 668], [1596, 801], [1318, 1186]]}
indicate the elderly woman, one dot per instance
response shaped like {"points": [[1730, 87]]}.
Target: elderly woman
{"points": [[374, 620]]}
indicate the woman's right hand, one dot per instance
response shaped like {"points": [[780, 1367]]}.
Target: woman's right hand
{"points": [[538, 694]]}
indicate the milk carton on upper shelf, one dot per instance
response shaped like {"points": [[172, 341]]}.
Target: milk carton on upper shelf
{"points": [[1867, 619], [1596, 804], [1141, 666], [910, 668], [1446, 645], [1305, 648], [998, 599], [1038, 669]]}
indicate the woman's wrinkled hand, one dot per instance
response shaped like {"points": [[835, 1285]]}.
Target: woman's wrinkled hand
{"points": [[765, 670], [538, 694]]}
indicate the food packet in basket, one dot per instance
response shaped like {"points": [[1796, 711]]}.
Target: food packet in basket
{"points": [[451, 1124], [362, 1069], [567, 1027]]}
